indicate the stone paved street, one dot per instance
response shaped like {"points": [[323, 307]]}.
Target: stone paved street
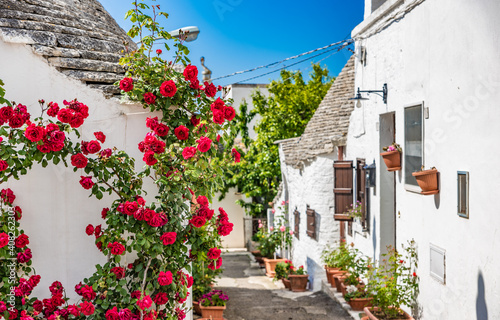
{"points": [[254, 296]]}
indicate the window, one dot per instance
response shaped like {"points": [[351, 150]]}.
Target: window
{"points": [[343, 189], [438, 263], [361, 191], [413, 148], [311, 223], [463, 194]]}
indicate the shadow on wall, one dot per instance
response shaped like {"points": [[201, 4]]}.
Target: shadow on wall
{"points": [[314, 271], [481, 308]]}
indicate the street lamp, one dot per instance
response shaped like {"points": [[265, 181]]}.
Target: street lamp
{"points": [[382, 93], [190, 32]]}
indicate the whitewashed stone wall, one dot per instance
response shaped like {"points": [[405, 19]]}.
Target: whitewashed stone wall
{"points": [[312, 186], [444, 53]]}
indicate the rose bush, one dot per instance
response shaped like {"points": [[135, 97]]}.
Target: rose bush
{"points": [[186, 166]]}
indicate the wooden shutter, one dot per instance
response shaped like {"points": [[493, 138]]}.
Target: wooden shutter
{"points": [[361, 189], [296, 218], [311, 223], [343, 185]]}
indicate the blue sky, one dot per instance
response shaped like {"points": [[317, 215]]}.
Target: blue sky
{"points": [[242, 34]]}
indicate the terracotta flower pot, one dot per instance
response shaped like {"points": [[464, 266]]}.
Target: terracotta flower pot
{"points": [[214, 313], [298, 282], [271, 265], [343, 288], [427, 181], [392, 160], [365, 318], [256, 253], [329, 274], [372, 311], [286, 283], [196, 308], [259, 259], [342, 217], [358, 304], [339, 278]]}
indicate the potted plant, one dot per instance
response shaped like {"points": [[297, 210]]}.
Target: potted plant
{"points": [[282, 271], [427, 180], [355, 211], [298, 279], [203, 281], [357, 299], [394, 284], [392, 157], [213, 304], [269, 242]]}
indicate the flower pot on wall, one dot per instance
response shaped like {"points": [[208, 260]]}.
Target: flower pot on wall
{"points": [[298, 282], [392, 160], [196, 308], [371, 313], [427, 181], [342, 217], [214, 313], [286, 283], [271, 265], [339, 278], [329, 274]]}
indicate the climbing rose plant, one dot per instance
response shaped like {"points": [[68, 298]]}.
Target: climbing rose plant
{"points": [[191, 135]]}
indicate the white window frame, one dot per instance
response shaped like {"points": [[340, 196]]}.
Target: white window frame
{"points": [[466, 174], [409, 187]]}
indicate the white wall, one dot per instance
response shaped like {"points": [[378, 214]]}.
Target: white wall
{"points": [[444, 53], [312, 186], [236, 239], [240, 92], [56, 209]]}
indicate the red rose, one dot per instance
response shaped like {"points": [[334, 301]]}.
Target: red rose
{"points": [[53, 109], [4, 239], [188, 152], [198, 221], [168, 88], [72, 309], [190, 73], [194, 121], [77, 120], [149, 98], [213, 253], [86, 182], [79, 160], [149, 158], [93, 146], [25, 256], [125, 314], [89, 230], [56, 146], [165, 278], [84, 146], [195, 84], [119, 272], [160, 298], [149, 214], [112, 314], [37, 305], [88, 292], [127, 84], [130, 208], [18, 213], [161, 129], [158, 220], [3, 165], [44, 148], [218, 117], [100, 136], [104, 213], [6, 113], [218, 105], [34, 133], [202, 200], [116, 248], [57, 136], [139, 214], [225, 229], [229, 113], [210, 89], [151, 123], [181, 132], [236, 155], [65, 115], [16, 121], [13, 313], [158, 51], [206, 213], [140, 200], [87, 308], [168, 238], [204, 144], [7, 195], [145, 303]]}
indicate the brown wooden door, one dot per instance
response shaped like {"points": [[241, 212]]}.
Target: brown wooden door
{"points": [[343, 188]]}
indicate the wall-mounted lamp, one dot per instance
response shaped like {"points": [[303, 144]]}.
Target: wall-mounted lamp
{"points": [[359, 97]]}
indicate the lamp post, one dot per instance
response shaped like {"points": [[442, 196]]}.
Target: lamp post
{"points": [[191, 33]]}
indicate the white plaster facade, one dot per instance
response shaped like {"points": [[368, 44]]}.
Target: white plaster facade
{"points": [[311, 186], [445, 54]]}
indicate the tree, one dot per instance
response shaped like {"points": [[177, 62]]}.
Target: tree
{"points": [[284, 114]]}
